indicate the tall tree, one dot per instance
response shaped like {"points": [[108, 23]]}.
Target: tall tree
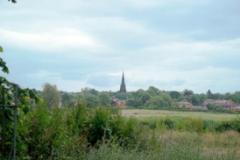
{"points": [[51, 95]]}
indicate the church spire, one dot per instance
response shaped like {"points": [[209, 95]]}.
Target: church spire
{"points": [[123, 85]]}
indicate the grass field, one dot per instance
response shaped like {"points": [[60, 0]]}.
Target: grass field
{"points": [[84, 133], [141, 113], [176, 146]]}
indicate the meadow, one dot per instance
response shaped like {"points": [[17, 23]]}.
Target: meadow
{"points": [[108, 134], [172, 145], [178, 135], [143, 113]]}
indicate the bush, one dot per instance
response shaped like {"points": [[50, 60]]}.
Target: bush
{"points": [[195, 125], [43, 132], [170, 124], [98, 126], [106, 124], [76, 120], [229, 125], [213, 107], [209, 125]]}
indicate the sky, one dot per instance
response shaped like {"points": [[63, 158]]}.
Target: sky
{"points": [[170, 44]]}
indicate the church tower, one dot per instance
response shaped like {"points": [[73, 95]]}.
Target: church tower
{"points": [[123, 85]]}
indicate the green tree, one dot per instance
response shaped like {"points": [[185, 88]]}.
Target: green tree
{"points": [[198, 99], [188, 95], [51, 95], [153, 91], [11, 95], [138, 99], [142, 96], [121, 95], [161, 101], [235, 97], [67, 99], [90, 97], [175, 95], [105, 99], [209, 94]]}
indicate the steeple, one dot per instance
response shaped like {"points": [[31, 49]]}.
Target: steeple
{"points": [[123, 85]]}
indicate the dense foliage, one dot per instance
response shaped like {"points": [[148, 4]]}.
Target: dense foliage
{"points": [[13, 99], [78, 128], [81, 132]]}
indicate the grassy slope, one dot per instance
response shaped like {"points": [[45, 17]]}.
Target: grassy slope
{"points": [[165, 113]]}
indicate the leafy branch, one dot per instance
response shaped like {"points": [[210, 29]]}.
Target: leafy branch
{"points": [[11, 93]]}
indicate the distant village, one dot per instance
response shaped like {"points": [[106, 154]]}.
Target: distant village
{"points": [[206, 104], [153, 98]]}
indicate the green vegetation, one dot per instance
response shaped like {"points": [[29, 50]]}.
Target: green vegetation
{"points": [[153, 98], [156, 114], [102, 133], [51, 95], [12, 99]]}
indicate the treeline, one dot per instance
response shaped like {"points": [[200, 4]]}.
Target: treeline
{"points": [[152, 98]]}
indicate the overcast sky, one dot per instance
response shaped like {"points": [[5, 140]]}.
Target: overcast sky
{"points": [[170, 44]]}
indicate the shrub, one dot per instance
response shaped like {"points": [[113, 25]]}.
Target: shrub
{"points": [[43, 132], [194, 124], [209, 125], [76, 119], [37, 134], [106, 124], [229, 125], [170, 124], [217, 108], [98, 126]]}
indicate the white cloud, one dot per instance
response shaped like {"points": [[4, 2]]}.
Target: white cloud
{"points": [[51, 40], [44, 76], [145, 4], [188, 51]]}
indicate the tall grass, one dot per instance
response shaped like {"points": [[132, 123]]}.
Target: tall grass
{"points": [[171, 146], [190, 124], [87, 133]]}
